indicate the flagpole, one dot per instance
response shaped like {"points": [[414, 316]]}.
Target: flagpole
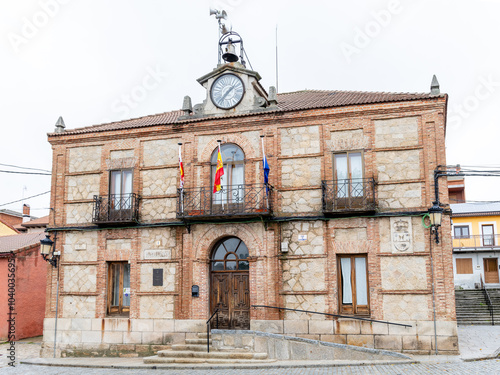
{"points": [[221, 187], [181, 167], [263, 158]]}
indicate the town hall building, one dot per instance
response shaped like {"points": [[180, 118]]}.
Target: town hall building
{"points": [[146, 257]]}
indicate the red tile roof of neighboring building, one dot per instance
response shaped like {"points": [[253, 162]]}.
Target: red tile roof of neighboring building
{"points": [[40, 222], [293, 101], [19, 241]]}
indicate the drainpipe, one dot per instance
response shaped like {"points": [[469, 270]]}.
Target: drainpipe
{"points": [[57, 299], [433, 292]]}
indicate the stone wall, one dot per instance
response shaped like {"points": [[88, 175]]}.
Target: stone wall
{"points": [[301, 172], [292, 348], [398, 132], [159, 181], [160, 152], [399, 196], [300, 201], [398, 165], [158, 209], [83, 187], [84, 159], [300, 140], [79, 213]]}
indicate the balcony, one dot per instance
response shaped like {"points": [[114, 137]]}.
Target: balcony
{"points": [[348, 196], [116, 209], [476, 242], [236, 201]]}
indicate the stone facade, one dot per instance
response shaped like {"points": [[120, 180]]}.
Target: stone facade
{"points": [[294, 256]]}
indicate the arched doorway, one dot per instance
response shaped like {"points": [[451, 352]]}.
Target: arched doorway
{"points": [[229, 283]]}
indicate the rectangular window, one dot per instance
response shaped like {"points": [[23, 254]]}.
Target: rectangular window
{"points": [[348, 172], [118, 288], [464, 266], [353, 284], [461, 231]]}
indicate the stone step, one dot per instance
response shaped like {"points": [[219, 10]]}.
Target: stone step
{"points": [[157, 359], [198, 341], [190, 347], [212, 355], [202, 335]]}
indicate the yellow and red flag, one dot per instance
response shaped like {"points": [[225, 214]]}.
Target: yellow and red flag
{"points": [[219, 172], [181, 168]]}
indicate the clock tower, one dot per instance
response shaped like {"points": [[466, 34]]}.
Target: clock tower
{"points": [[231, 88]]}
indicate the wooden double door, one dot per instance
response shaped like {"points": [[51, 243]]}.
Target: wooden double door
{"points": [[231, 295]]}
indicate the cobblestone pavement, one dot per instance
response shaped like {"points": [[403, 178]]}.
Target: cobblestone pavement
{"points": [[488, 367], [478, 341], [27, 348]]}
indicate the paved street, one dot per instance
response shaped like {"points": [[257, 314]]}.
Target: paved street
{"points": [[463, 368], [475, 342]]}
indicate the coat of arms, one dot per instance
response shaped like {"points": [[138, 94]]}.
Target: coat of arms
{"points": [[401, 233]]}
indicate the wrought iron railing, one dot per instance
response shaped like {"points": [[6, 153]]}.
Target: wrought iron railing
{"points": [[116, 208], [485, 242], [488, 300], [234, 200], [216, 312], [348, 195], [333, 315]]}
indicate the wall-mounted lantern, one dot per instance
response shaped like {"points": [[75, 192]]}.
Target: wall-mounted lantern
{"points": [[47, 250], [436, 216]]}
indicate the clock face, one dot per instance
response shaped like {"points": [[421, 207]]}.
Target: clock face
{"points": [[227, 91]]}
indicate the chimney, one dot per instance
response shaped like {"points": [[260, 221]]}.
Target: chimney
{"points": [[26, 213]]}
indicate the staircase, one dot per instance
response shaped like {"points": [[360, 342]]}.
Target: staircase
{"points": [[195, 351], [472, 307]]}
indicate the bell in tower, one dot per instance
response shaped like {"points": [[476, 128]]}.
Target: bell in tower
{"points": [[229, 54]]}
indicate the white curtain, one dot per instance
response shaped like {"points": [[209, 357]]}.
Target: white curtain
{"points": [[345, 265], [361, 291]]}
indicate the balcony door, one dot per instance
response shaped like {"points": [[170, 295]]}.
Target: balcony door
{"points": [[233, 180], [488, 235], [348, 169], [120, 194]]}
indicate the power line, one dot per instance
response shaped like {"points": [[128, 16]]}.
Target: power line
{"points": [[43, 174], [16, 166], [20, 200]]}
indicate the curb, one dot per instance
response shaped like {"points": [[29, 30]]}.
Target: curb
{"points": [[177, 366]]}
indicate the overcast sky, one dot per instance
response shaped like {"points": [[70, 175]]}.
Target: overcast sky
{"points": [[99, 61]]}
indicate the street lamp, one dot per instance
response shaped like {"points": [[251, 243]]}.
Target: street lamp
{"points": [[47, 251], [436, 216]]}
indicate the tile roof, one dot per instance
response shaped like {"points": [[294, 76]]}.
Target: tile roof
{"points": [[40, 222], [11, 213], [293, 101], [18, 241], [471, 209]]}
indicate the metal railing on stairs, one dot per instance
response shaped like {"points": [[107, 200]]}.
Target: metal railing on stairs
{"points": [[334, 315], [216, 312], [488, 299]]}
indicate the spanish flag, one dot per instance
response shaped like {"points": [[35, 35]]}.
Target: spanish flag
{"points": [[181, 167], [219, 172]]}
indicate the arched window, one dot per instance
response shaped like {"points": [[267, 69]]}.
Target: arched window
{"points": [[233, 180], [230, 254]]}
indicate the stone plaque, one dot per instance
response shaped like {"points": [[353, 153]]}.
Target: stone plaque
{"points": [[401, 235], [157, 254], [80, 246]]}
